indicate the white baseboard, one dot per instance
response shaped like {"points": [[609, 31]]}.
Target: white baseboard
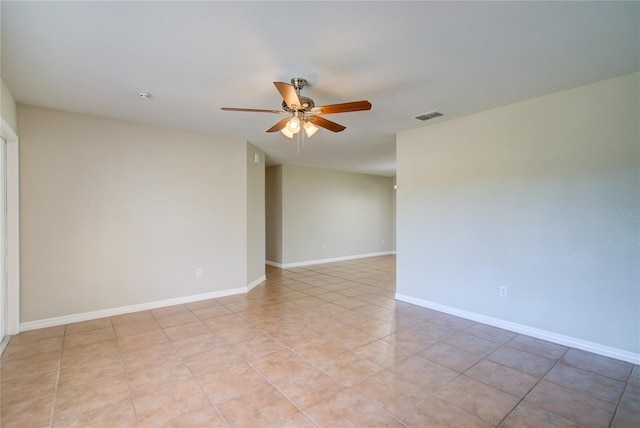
{"points": [[256, 283], [330, 260], [560, 339], [87, 316]]}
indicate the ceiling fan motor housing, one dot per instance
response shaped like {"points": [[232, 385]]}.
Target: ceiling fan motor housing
{"points": [[307, 104]]}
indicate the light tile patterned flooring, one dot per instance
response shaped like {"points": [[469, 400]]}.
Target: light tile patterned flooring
{"points": [[324, 345]]}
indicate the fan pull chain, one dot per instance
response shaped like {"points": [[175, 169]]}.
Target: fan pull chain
{"points": [[304, 133]]}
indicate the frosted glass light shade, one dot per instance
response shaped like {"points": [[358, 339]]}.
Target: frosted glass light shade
{"points": [[285, 131], [293, 125], [310, 129]]}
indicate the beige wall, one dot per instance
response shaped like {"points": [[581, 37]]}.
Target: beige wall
{"points": [[328, 214], [541, 197], [115, 213], [8, 107], [255, 215], [273, 195]]}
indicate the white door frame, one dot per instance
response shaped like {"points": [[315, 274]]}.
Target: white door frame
{"points": [[13, 231], [3, 236]]}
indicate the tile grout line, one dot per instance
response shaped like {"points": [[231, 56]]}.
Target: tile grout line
{"points": [[124, 371], [615, 411], [55, 390], [314, 364], [260, 374], [281, 392], [540, 379], [460, 374], [204, 391], [591, 373], [624, 391]]}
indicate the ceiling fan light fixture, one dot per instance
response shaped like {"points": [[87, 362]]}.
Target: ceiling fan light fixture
{"points": [[310, 129], [286, 132], [293, 125]]}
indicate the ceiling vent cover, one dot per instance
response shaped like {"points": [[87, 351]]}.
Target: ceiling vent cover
{"points": [[428, 115]]}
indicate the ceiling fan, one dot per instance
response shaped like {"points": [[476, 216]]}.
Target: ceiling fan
{"points": [[302, 111]]}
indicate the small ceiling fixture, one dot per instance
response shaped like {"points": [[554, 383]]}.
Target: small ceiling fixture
{"points": [[303, 112], [144, 95], [428, 115]]}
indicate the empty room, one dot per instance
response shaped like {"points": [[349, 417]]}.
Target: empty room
{"points": [[320, 214]]}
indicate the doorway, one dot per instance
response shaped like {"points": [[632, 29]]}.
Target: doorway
{"points": [[9, 234]]}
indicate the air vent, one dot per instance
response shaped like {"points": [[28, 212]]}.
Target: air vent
{"points": [[428, 115]]}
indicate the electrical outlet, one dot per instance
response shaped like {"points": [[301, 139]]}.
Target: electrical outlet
{"points": [[199, 272], [382, 241], [503, 291], [324, 246]]}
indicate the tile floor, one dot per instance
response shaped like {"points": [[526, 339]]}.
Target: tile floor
{"points": [[324, 345]]}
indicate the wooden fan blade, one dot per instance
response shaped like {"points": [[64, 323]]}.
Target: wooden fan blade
{"points": [[327, 124], [342, 108], [278, 126], [289, 95], [253, 110]]}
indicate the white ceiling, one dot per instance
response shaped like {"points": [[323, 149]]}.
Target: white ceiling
{"points": [[406, 58]]}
